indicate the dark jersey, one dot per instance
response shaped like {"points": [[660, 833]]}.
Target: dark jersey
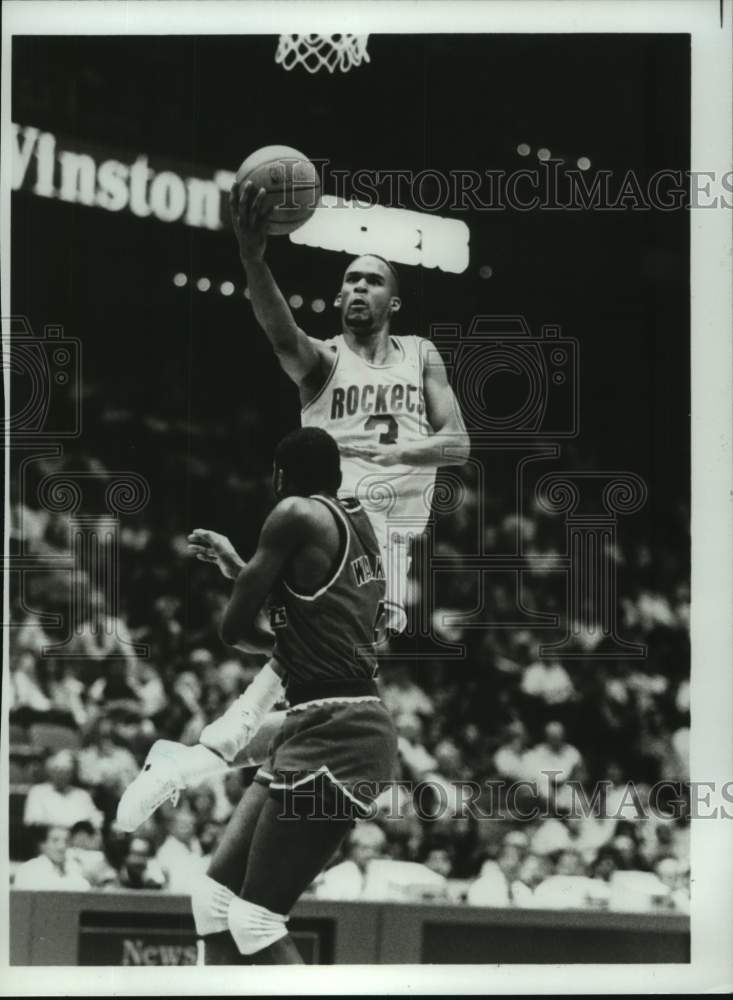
{"points": [[330, 635]]}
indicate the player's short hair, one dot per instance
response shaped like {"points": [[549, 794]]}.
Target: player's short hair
{"points": [[310, 461], [392, 269]]}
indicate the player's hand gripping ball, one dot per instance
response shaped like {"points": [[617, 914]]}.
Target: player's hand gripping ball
{"points": [[291, 183]]}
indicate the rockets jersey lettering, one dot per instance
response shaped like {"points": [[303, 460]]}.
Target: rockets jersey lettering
{"points": [[383, 405], [331, 634]]}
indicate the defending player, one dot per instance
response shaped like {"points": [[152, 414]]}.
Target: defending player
{"points": [[319, 564], [385, 399]]}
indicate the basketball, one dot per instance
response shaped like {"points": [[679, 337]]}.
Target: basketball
{"points": [[291, 182]]}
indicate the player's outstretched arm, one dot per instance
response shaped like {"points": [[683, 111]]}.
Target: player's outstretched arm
{"points": [[281, 536], [450, 439], [210, 546], [298, 354]]}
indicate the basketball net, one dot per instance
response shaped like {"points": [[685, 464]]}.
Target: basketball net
{"points": [[316, 52]]}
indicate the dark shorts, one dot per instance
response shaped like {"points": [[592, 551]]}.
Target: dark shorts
{"points": [[336, 756]]}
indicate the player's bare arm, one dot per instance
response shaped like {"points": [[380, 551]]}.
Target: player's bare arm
{"points": [[282, 535], [446, 442], [213, 547], [301, 357]]}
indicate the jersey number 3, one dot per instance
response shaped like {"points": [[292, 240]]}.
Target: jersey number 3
{"points": [[389, 436]]}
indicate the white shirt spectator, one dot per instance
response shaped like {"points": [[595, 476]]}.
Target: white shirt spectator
{"points": [[509, 762], [148, 687], [551, 764], [114, 767], [48, 807], [560, 892], [415, 756], [24, 688], [91, 865], [384, 879], [183, 863], [42, 873], [491, 888], [548, 681], [633, 891], [407, 699], [552, 835]]}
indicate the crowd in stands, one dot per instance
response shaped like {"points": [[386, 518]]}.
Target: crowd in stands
{"points": [[84, 714]]}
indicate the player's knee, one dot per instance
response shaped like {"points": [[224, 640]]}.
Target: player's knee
{"points": [[210, 902], [254, 927]]}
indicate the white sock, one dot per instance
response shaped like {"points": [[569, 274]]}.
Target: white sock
{"points": [[200, 763]]}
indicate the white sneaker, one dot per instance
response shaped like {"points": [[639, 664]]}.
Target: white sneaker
{"points": [[168, 769], [231, 732]]}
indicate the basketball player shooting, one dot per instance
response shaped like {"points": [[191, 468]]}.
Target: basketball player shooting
{"points": [[385, 399], [318, 568]]}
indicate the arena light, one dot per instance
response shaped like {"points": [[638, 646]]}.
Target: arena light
{"points": [[524, 149], [203, 284], [583, 163], [226, 288], [318, 305], [543, 153], [400, 235], [485, 271], [296, 301], [180, 280]]}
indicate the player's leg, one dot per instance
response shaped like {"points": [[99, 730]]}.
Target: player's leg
{"points": [[288, 851], [226, 873], [395, 563], [396, 569], [170, 767]]}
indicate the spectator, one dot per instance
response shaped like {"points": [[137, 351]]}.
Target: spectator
{"points": [[570, 862], [68, 694], [232, 680], [183, 707], [549, 837], [101, 639], [106, 765], [58, 801], [549, 682], [552, 763], [113, 695], [180, 855], [209, 834], [415, 759], [145, 683], [52, 869], [30, 637], [533, 870], [440, 860], [86, 851], [140, 869], [368, 873], [202, 801], [25, 687], [605, 864], [493, 887], [671, 873], [401, 695], [509, 758], [625, 850]]}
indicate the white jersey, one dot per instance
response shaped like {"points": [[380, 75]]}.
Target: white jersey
{"points": [[365, 404]]}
